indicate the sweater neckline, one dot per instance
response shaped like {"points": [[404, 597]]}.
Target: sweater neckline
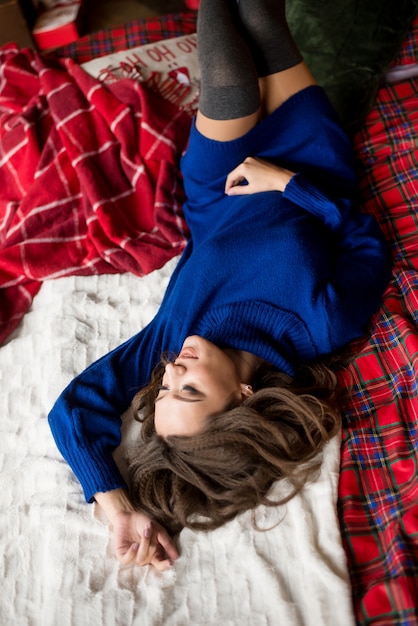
{"points": [[272, 333]]}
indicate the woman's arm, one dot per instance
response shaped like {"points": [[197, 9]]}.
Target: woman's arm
{"points": [[86, 418], [256, 175], [360, 267]]}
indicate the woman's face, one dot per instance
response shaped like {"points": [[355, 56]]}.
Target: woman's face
{"points": [[202, 381]]}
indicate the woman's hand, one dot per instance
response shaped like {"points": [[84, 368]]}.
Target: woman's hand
{"points": [[138, 539], [259, 175], [142, 541]]}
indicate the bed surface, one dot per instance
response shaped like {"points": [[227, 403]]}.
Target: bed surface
{"points": [[57, 563]]}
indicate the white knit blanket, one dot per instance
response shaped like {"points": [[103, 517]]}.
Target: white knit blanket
{"points": [[57, 566]]}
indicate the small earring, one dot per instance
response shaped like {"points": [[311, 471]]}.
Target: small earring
{"points": [[246, 391]]}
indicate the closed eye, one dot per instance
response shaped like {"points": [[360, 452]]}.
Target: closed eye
{"points": [[190, 389], [186, 388], [194, 394]]}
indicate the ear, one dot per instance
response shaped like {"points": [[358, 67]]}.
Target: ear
{"points": [[246, 391]]}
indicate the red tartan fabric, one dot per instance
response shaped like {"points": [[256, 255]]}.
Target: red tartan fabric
{"points": [[130, 35], [88, 177], [378, 490], [408, 54]]}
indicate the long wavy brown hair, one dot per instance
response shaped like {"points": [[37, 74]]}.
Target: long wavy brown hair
{"points": [[205, 480]]}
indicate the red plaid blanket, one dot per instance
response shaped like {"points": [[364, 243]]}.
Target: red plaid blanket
{"points": [[378, 494], [129, 35], [88, 177]]}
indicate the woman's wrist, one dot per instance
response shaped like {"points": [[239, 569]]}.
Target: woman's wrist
{"points": [[114, 502], [285, 176]]}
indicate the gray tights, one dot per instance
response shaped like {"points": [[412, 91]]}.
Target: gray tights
{"points": [[237, 44]]}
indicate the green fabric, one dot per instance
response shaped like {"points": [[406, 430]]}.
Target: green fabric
{"points": [[348, 45]]}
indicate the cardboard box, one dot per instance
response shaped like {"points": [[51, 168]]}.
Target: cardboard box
{"points": [[14, 26], [58, 26]]}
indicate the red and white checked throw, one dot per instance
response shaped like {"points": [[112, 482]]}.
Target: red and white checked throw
{"points": [[89, 178]]}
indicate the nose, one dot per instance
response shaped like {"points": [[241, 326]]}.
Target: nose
{"points": [[174, 370]]}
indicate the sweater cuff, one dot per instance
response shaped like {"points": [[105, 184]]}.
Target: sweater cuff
{"points": [[98, 477], [304, 194], [95, 469]]}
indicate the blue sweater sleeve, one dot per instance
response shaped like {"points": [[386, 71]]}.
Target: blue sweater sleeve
{"points": [[361, 272], [86, 419], [361, 264], [331, 210]]}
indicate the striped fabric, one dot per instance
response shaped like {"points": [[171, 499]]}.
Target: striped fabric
{"points": [[76, 195]]}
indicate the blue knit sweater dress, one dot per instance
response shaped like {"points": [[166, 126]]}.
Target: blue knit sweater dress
{"points": [[286, 276]]}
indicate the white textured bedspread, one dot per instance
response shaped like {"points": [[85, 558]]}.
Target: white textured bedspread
{"points": [[56, 558]]}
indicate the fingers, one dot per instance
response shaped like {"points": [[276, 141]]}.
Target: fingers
{"points": [[259, 176], [239, 190], [234, 180], [167, 543], [128, 557], [249, 172], [155, 548], [146, 548], [160, 563]]}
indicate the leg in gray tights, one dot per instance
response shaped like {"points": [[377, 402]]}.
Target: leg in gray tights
{"points": [[229, 81], [268, 35], [237, 43]]}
